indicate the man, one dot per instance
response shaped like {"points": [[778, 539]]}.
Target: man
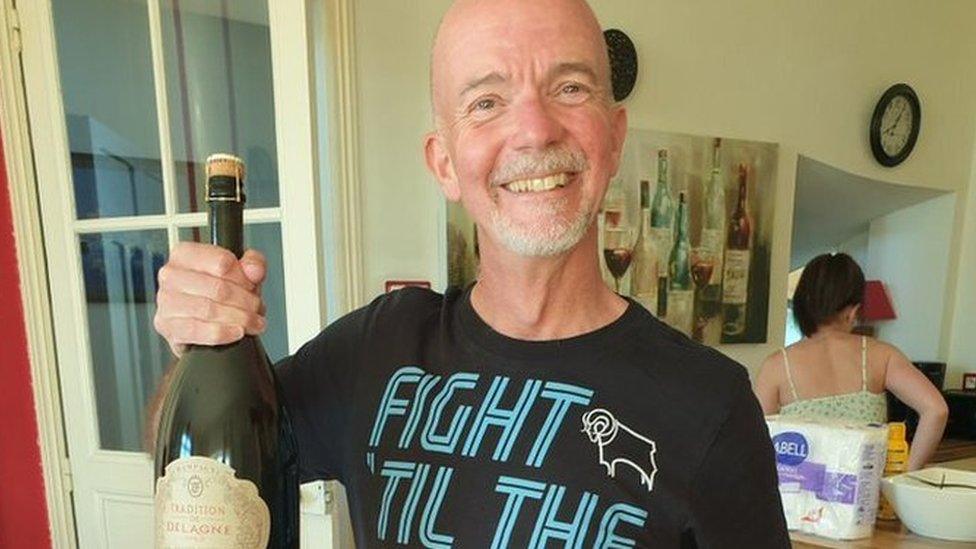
{"points": [[537, 405]]}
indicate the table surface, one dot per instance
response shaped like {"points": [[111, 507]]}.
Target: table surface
{"points": [[890, 533]]}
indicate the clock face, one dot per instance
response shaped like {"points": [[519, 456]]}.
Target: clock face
{"points": [[896, 125]]}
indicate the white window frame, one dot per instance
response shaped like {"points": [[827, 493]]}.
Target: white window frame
{"points": [[298, 213]]}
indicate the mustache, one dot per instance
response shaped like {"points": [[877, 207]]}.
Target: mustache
{"points": [[545, 162]]}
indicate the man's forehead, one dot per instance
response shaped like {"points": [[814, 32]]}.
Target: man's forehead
{"points": [[498, 21], [556, 69], [479, 37]]}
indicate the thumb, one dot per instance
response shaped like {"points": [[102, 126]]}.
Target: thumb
{"points": [[254, 266]]}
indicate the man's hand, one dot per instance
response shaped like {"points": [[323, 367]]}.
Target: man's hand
{"points": [[209, 297]]}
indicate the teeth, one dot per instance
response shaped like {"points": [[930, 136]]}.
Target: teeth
{"points": [[539, 184]]}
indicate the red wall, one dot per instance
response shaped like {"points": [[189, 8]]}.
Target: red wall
{"points": [[23, 512]]}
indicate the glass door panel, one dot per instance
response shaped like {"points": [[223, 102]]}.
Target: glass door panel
{"points": [[218, 78], [128, 357], [126, 100], [109, 104]]}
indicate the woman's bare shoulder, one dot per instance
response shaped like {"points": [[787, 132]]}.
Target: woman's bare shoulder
{"points": [[772, 366], [881, 348]]}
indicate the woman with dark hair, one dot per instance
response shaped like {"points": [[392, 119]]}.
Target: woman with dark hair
{"points": [[833, 373]]}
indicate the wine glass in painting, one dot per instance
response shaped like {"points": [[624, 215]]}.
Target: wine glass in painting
{"points": [[618, 250], [702, 266]]}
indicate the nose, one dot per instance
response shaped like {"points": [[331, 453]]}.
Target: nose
{"points": [[536, 125]]}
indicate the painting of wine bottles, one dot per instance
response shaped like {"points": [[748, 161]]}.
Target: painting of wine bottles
{"points": [[684, 230], [696, 213]]}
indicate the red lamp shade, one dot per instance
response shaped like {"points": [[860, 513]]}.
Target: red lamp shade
{"points": [[877, 303]]}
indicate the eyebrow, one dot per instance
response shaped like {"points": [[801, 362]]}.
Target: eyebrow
{"points": [[568, 67], [494, 77], [564, 68]]}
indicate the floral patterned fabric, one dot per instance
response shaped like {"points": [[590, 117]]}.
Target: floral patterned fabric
{"points": [[862, 406]]}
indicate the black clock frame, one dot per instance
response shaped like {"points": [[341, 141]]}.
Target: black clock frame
{"points": [[906, 91], [623, 63]]}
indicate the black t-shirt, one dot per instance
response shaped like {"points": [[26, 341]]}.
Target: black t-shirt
{"points": [[448, 433]]}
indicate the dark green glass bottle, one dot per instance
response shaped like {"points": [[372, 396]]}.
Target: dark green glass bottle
{"points": [[662, 229], [680, 295], [226, 464]]}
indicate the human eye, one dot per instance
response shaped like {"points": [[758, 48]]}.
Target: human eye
{"points": [[571, 88], [484, 108], [483, 105], [573, 92]]}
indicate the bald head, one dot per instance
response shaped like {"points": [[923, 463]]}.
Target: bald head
{"points": [[527, 134], [489, 38]]}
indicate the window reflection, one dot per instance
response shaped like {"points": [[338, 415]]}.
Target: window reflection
{"points": [[128, 357], [105, 65], [217, 58]]}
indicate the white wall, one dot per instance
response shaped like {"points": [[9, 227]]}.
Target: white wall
{"points": [[962, 337], [909, 251], [856, 247], [403, 215], [804, 74]]}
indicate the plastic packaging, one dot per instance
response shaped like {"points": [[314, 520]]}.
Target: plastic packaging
{"points": [[829, 474], [895, 464]]}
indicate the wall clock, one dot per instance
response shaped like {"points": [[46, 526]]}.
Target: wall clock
{"points": [[623, 62], [895, 124]]}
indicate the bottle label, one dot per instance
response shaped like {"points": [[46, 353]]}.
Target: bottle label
{"points": [[680, 309], [200, 503], [644, 268], [711, 240], [735, 278], [663, 240]]}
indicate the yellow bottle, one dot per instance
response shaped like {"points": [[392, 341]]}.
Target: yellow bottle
{"points": [[896, 463]]}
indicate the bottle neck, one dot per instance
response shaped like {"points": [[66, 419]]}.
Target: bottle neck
{"points": [[227, 226], [682, 221], [743, 196], [645, 220], [225, 202]]}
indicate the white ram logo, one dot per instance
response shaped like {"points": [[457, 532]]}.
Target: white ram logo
{"points": [[618, 444]]}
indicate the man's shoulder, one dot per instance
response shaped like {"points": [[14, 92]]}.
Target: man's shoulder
{"points": [[672, 357], [411, 299], [386, 315], [405, 304], [408, 307]]}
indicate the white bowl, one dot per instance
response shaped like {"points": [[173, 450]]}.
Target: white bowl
{"points": [[945, 513]]}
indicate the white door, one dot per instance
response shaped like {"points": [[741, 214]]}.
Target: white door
{"points": [[127, 98]]}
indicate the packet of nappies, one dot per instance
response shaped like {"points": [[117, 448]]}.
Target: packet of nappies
{"points": [[829, 474]]}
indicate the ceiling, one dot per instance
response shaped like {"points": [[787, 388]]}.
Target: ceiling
{"points": [[832, 206]]}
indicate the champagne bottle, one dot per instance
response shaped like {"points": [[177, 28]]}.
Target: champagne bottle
{"points": [[644, 274], [226, 460], [735, 277], [680, 288], [662, 224], [713, 224]]}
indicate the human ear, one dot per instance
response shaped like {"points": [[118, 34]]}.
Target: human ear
{"points": [[440, 165], [618, 123]]}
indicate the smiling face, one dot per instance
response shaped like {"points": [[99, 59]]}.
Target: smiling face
{"points": [[527, 136]]}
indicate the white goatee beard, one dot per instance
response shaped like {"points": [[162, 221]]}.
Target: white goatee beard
{"points": [[545, 238], [547, 235]]}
